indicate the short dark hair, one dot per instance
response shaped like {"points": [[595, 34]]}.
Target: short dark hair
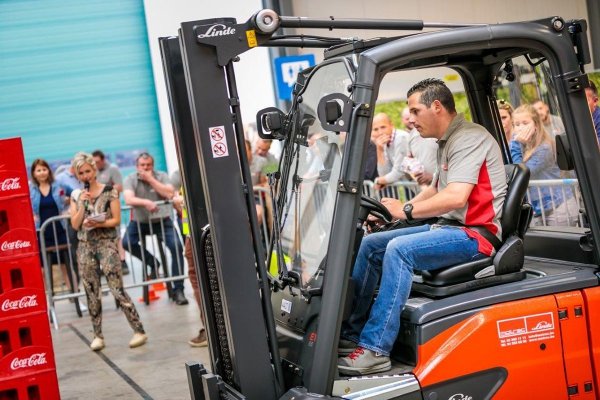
{"points": [[432, 89], [98, 153], [43, 163], [144, 154], [593, 87]]}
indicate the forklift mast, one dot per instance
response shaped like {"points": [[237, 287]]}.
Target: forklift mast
{"points": [[230, 261]]}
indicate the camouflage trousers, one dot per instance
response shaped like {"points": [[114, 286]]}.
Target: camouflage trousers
{"points": [[102, 255]]}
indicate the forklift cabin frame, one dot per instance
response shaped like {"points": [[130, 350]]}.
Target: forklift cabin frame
{"points": [[209, 137]]}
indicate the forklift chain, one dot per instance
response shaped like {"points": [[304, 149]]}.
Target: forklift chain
{"points": [[217, 306]]}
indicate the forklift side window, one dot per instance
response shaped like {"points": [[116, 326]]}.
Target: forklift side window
{"points": [[527, 96], [314, 157]]}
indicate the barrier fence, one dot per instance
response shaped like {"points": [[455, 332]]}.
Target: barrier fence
{"points": [[153, 265], [154, 253]]}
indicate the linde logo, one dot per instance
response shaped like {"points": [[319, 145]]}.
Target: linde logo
{"points": [[17, 244], [24, 302], [32, 361], [217, 30], [460, 396], [10, 184]]}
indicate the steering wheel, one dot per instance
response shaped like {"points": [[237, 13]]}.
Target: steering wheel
{"points": [[375, 208]]}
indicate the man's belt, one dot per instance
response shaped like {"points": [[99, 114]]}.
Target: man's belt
{"points": [[483, 231]]}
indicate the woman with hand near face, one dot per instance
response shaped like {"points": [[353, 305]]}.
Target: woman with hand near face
{"points": [[532, 145], [95, 214]]}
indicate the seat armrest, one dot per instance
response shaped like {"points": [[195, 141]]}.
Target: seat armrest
{"points": [[510, 257]]}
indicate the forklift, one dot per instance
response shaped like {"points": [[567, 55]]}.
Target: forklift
{"points": [[522, 324]]}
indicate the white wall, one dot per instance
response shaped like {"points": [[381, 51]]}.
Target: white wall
{"points": [[253, 73]]}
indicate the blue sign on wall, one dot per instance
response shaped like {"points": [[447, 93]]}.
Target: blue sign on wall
{"points": [[286, 71]]}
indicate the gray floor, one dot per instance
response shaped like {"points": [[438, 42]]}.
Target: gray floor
{"points": [[153, 371]]}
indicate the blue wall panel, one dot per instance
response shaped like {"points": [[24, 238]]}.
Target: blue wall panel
{"points": [[76, 75]]}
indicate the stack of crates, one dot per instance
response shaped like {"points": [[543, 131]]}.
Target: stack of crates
{"points": [[27, 368]]}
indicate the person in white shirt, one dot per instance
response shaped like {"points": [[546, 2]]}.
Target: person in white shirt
{"points": [[392, 147]]}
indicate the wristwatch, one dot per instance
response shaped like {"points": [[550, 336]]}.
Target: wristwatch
{"points": [[408, 208]]}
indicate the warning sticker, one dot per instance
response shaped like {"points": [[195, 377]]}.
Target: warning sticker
{"points": [[251, 37], [218, 141], [526, 329]]}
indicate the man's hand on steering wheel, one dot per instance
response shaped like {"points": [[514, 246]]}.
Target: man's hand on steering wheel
{"points": [[395, 207], [377, 211]]}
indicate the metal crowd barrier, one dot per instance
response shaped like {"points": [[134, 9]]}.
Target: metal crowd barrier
{"points": [[138, 276]]}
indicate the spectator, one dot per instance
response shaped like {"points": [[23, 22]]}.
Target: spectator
{"points": [[468, 192], [392, 147], [422, 150], [95, 213], [263, 162], [534, 147], [142, 189], [505, 110], [591, 94], [109, 174], [47, 201], [68, 181], [552, 123], [257, 180], [371, 162], [179, 204]]}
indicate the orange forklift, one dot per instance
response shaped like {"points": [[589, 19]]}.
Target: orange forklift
{"points": [[524, 324]]}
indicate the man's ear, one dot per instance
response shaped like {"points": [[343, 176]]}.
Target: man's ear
{"points": [[436, 106]]}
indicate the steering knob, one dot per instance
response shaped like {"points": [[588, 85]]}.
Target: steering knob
{"points": [[266, 21]]}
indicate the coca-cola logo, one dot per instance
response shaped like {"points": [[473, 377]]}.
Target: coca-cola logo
{"points": [[24, 302], [217, 30], [10, 184], [32, 361], [15, 245]]}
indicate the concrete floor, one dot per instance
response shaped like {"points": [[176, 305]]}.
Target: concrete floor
{"points": [[153, 371]]}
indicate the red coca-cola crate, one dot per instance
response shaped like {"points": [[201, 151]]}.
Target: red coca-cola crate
{"points": [[11, 159], [41, 386], [21, 287], [17, 234], [25, 346], [13, 183]]}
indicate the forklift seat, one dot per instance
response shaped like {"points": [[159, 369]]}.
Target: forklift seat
{"points": [[505, 265]]}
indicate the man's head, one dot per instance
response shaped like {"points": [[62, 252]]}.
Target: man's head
{"points": [[542, 109], [406, 119], [591, 94], [432, 107], [262, 147], [382, 125], [144, 162], [99, 158]]}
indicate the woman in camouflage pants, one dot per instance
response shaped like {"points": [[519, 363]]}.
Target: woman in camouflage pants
{"points": [[95, 214]]}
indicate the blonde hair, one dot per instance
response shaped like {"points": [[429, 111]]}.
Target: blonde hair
{"points": [[505, 105], [80, 159], [540, 136]]}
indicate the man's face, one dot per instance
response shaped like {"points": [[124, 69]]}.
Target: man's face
{"points": [[592, 99], [542, 109], [381, 126], [145, 164], [262, 148], [99, 162], [422, 117]]}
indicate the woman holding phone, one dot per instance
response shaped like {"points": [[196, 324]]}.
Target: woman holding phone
{"points": [[95, 214]]}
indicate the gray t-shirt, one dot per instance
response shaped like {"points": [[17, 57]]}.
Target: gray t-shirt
{"points": [[423, 149], [394, 154], [110, 175], [144, 190], [469, 154]]}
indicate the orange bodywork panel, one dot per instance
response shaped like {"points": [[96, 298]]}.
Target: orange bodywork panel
{"points": [[591, 298], [576, 353], [523, 337]]}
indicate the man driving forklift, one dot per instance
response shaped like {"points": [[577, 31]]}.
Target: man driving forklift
{"points": [[467, 193]]}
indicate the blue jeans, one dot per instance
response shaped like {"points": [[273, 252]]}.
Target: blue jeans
{"points": [[131, 243], [392, 256]]}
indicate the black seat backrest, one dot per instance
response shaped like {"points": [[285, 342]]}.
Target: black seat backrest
{"points": [[517, 179]]}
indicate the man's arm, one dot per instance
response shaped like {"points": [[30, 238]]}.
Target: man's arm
{"points": [[132, 200], [164, 189], [453, 197]]}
